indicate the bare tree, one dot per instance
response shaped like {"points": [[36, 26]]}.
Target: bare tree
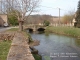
{"points": [[68, 17], [21, 8]]}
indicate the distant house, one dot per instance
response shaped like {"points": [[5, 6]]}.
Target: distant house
{"points": [[3, 20], [54, 21], [73, 22]]}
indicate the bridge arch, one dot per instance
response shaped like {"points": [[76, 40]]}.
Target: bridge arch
{"points": [[41, 29], [29, 29]]}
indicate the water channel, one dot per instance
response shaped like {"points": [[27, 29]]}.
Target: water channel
{"points": [[57, 47]]}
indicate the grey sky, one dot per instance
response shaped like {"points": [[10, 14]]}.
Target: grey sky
{"points": [[51, 6]]}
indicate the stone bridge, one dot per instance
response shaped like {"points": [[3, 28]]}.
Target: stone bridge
{"points": [[34, 28]]}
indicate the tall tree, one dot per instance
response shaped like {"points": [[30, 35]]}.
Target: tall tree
{"points": [[77, 18], [22, 8]]}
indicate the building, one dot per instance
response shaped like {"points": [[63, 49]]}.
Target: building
{"points": [[3, 20], [73, 22]]}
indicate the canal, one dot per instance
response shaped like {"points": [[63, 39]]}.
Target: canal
{"points": [[57, 47]]}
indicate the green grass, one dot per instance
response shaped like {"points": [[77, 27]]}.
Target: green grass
{"points": [[13, 29], [27, 35], [47, 58], [4, 49], [37, 57], [71, 31]]}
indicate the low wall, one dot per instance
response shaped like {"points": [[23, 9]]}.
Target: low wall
{"points": [[20, 49]]}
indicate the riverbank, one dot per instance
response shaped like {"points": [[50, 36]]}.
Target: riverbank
{"points": [[4, 49], [12, 32], [69, 31]]}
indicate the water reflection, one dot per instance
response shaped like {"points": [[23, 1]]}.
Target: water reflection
{"points": [[47, 34], [40, 32], [77, 42]]}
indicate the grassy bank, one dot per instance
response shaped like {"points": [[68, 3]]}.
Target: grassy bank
{"points": [[13, 29], [70, 31], [4, 49], [5, 45], [37, 57]]}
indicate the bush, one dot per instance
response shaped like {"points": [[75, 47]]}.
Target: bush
{"points": [[46, 23], [13, 20]]}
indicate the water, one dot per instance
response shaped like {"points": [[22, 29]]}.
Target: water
{"points": [[57, 47]]}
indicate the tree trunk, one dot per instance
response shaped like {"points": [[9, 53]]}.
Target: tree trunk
{"points": [[20, 26]]}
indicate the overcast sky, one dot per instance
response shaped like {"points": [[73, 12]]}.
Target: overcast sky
{"points": [[51, 6]]}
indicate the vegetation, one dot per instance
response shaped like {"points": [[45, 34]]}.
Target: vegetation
{"points": [[5, 46], [12, 18], [13, 29], [71, 31], [68, 17], [37, 57], [4, 49], [46, 23], [77, 24], [21, 8], [23, 32], [28, 35], [47, 58], [36, 19]]}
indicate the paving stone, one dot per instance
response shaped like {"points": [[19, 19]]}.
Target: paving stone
{"points": [[19, 49]]}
